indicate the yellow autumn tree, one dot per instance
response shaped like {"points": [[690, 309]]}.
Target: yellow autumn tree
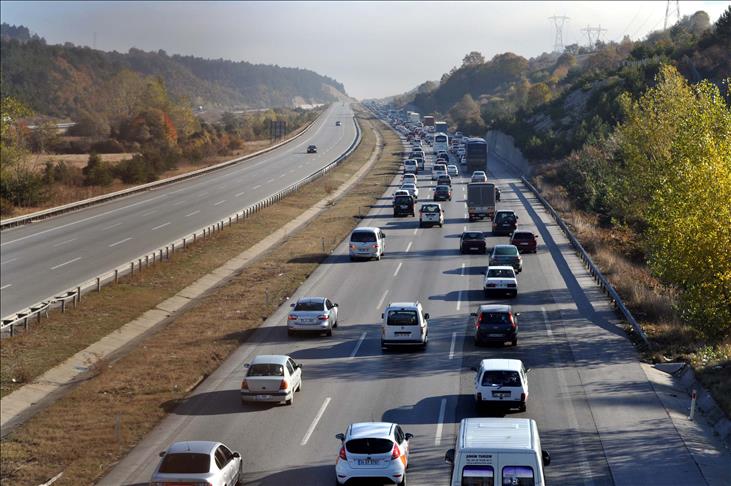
{"points": [[676, 147]]}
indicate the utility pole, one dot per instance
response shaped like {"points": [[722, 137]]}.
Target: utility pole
{"points": [[558, 22], [668, 7]]}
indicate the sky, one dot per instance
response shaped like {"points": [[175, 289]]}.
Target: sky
{"points": [[375, 49]]}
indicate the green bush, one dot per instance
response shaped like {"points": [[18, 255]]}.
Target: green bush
{"points": [[135, 171], [97, 172]]}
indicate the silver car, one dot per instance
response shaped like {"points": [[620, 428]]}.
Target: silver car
{"points": [[198, 462], [312, 314]]}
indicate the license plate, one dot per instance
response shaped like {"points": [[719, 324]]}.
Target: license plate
{"points": [[367, 462], [500, 394], [403, 334], [494, 335], [262, 397], [403, 206], [474, 248]]}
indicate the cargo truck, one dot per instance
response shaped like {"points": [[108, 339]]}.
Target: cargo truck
{"points": [[441, 126], [428, 121], [480, 200], [413, 117], [476, 154]]}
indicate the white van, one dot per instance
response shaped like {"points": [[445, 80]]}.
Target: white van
{"points": [[404, 324], [497, 451], [501, 383], [411, 166], [367, 242]]}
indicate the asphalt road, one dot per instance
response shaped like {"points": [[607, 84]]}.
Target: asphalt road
{"points": [[596, 411], [45, 258]]}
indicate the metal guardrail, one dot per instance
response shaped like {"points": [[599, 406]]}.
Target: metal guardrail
{"points": [[164, 253], [47, 213], [598, 276]]}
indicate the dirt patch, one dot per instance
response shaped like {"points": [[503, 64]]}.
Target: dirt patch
{"points": [[41, 449]]}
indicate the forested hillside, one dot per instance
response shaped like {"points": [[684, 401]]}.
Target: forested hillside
{"points": [[66, 80]]}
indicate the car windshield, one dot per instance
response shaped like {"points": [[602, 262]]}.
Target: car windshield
{"points": [[266, 369], [506, 251], [185, 463], [500, 217], [403, 200], [500, 378], [500, 273], [369, 446], [431, 208], [309, 306], [363, 237], [402, 318], [472, 236], [495, 318]]}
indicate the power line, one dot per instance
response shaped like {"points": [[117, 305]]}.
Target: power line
{"points": [[558, 22]]}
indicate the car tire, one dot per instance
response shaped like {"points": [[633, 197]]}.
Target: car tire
{"points": [[486, 294], [514, 342], [299, 388], [290, 401], [513, 295], [522, 407], [290, 332]]}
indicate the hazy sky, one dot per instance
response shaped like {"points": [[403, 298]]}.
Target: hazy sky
{"points": [[374, 48]]}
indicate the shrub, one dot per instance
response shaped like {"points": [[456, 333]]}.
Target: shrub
{"points": [[97, 172], [135, 171]]}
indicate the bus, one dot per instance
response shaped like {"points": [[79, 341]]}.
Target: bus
{"points": [[441, 142], [476, 154], [441, 126]]}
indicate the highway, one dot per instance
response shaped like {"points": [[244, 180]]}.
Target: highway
{"points": [[42, 259], [596, 411]]}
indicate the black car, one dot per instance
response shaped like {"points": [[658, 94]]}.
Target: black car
{"points": [[444, 180], [472, 241], [504, 223], [497, 324], [403, 206], [312, 149], [443, 193]]}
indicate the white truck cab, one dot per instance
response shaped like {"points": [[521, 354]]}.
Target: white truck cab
{"points": [[496, 451], [404, 324]]}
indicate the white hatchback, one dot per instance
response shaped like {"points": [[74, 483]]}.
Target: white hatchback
{"points": [[404, 324], [373, 450], [501, 382]]}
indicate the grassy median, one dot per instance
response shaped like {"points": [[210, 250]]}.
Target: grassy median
{"points": [[143, 385]]}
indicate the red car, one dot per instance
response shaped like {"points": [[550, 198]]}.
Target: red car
{"points": [[525, 241]]}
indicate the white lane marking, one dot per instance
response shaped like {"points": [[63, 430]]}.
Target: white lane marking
{"points": [[283, 175], [398, 267], [111, 226], [66, 263], [8, 261], [451, 347], [64, 242], [440, 423], [314, 422], [549, 331], [82, 220], [219, 203], [119, 242], [270, 181], [178, 203], [239, 194], [416, 230], [203, 194], [257, 187], [176, 190], [408, 247], [192, 214], [459, 295], [161, 226], [147, 213], [464, 228], [380, 302], [357, 345], [10, 285]]}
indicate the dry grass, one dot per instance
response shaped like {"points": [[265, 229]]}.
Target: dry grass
{"points": [[617, 252], [38, 161], [40, 448]]}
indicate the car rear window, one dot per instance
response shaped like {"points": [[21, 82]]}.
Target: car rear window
{"points": [[478, 476], [495, 318], [266, 369], [363, 237], [430, 208], [518, 476], [369, 446], [499, 217], [185, 463], [473, 236], [309, 306], [402, 318], [500, 273], [506, 250], [403, 200], [500, 378], [522, 236]]}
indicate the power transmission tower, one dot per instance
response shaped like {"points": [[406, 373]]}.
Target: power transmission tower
{"points": [[590, 32], [558, 22], [668, 7]]}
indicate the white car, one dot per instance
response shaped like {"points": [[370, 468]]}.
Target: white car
{"points": [[501, 382], [479, 176], [401, 192], [431, 214], [198, 462], [452, 170], [271, 378], [410, 178], [404, 324], [410, 166], [373, 450], [312, 314], [438, 170], [501, 279], [411, 187]]}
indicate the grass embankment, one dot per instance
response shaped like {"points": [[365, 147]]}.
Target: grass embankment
{"points": [[76, 434], [618, 254]]}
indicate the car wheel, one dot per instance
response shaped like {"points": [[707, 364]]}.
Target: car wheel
{"points": [[329, 332], [487, 294], [522, 407], [290, 332], [299, 388], [240, 476], [352, 259], [403, 481], [514, 342], [290, 401], [513, 295]]}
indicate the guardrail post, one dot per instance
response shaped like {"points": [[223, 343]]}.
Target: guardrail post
{"points": [[98, 284], [63, 306], [116, 276], [25, 323], [147, 261], [12, 330], [185, 244], [139, 264], [172, 248], [160, 259], [194, 237], [131, 268], [77, 297]]}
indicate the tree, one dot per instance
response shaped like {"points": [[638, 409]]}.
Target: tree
{"points": [[474, 58], [723, 25], [538, 94], [466, 115], [97, 172]]}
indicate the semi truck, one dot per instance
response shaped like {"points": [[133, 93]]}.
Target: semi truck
{"points": [[476, 154], [480, 200]]}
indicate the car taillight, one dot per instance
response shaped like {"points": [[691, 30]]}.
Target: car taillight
{"points": [[375, 246], [244, 385], [396, 452], [322, 317], [342, 454], [522, 397], [478, 321], [491, 285], [292, 317], [283, 385], [352, 247], [512, 321]]}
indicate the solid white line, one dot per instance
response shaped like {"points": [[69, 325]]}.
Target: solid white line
{"points": [[203, 194], [380, 302], [314, 422], [357, 345], [119, 242], [10, 285], [191, 214], [549, 331], [64, 242], [178, 203], [416, 230], [451, 348], [161, 226], [219, 203], [440, 423], [8, 261], [398, 267], [270, 181], [408, 247], [256, 187], [147, 213], [66, 263], [110, 227], [459, 295], [239, 194]]}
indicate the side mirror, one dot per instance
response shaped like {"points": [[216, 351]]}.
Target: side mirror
{"points": [[527, 370], [236, 454], [473, 314], [340, 436], [426, 316], [162, 454], [247, 365], [336, 305], [546, 458], [298, 366], [517, 314], [409, 436], [292, 304], [473, 368], [381, 315], [449, 456]]}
